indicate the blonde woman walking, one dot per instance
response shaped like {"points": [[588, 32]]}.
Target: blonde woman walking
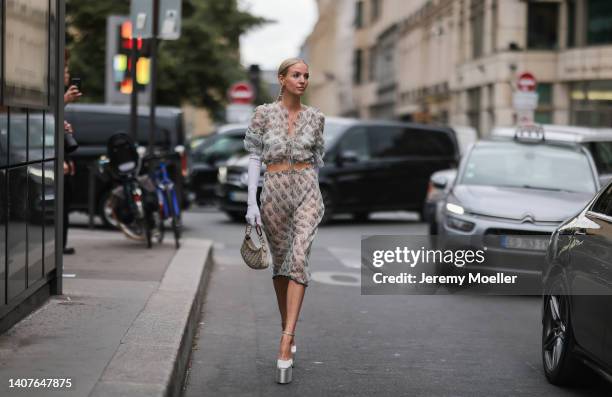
{"points": [[288, 137]]}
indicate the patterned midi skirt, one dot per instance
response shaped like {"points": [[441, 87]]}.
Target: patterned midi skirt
{"points": [[291, 210]]}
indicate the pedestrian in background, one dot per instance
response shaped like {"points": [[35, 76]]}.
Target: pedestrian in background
{"points": [[288, 137], [71, 95]]}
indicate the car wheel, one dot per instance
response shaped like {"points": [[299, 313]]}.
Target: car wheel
{"points": [[328, 202], [560, 365]]}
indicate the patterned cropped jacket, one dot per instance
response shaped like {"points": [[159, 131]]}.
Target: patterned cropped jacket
{"points": [[267, 135]]}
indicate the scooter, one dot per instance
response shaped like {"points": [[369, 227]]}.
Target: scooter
{"points": [[133, 202]]}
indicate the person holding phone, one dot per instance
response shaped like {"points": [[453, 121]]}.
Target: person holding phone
{"points": [[72, 94]]}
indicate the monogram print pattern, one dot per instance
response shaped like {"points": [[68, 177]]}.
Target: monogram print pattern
{"points": [[291, 210], [268, 135], [291, 203]]}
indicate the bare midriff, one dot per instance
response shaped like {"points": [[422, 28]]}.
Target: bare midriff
{"points": [[285, 165]]}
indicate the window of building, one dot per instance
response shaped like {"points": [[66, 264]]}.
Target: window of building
{"points": [[543, 117], [544, 112], [591, 103], [542, 25], [599, 22], [495, 17], [359, 14], [490, 106], [357, 64], [473, 108], [477, 24], [376, 4], [372, 64], [385, 55], [571, 23]]}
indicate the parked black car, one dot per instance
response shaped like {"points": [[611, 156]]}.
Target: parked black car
{"points": [[94, 124], [577, 298], [208, 156], [370, 166]]}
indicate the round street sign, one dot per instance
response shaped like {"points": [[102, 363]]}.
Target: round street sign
{"points": [[241, 92], [526, 82]]}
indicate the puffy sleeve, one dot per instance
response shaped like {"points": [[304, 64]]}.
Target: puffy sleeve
{"points": [[253, 140], [319, 146]]}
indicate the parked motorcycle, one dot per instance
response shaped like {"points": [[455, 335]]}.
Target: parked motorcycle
{"points": [[133, 202]]}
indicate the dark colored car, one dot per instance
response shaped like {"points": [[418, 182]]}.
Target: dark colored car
{"points": [[94, 124], [370, 166], [577, 298], [207, 157]]}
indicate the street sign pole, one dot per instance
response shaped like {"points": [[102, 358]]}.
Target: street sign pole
{"points": [[153, 74]]}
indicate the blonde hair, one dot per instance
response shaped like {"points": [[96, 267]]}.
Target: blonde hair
{"points": [[284, 68]]}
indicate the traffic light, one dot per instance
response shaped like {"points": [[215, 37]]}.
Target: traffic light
{"points": [[122, 63]]}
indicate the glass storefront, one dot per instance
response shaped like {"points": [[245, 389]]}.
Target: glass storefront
{"points": [[591, 103], [28, 136]]}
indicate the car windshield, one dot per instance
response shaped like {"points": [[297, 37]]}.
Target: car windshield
{"points": [[331, 131], [220, 147], [510, 164]]}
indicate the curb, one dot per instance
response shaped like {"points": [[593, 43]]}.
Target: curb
{"points": [[153, 355]]}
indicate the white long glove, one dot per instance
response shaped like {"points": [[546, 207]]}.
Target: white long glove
{"points": [[252, 216]]}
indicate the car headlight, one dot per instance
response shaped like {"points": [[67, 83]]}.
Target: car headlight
{"points": [[455, 209], [222, 175], [459, 224], [244, 178]]}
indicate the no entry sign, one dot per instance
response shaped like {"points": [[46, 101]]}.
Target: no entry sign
{"points": [[241, 92], [526, 82]]}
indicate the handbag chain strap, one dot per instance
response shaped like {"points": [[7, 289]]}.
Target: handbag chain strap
{"points": [[259, 234]]}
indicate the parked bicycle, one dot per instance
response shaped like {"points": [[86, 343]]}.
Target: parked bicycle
{"points": [[169, 207]]}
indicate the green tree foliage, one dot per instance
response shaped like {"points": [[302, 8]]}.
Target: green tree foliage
{"points": [[197, 68], [86, 40]]}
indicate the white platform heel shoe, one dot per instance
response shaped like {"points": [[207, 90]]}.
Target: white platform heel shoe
{"points": [[284, 368]]}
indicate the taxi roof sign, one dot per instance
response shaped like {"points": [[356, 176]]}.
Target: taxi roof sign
{"points": [[529, 133]]}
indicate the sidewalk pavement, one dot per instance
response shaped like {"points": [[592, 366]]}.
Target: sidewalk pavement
{"points": [[124, 326]]}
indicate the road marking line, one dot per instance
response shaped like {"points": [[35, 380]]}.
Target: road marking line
{"points": [[337, 278], [350, 258], [69, 275]]}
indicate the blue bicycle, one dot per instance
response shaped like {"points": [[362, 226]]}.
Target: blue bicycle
{"points": [[169, 207]]}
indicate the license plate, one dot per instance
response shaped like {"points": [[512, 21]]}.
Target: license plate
{"points": [[525, 243], [238, 196]]}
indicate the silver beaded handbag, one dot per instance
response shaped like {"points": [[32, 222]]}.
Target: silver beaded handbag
{"points": [[255, 257]]}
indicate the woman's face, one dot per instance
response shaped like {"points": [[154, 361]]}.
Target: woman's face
{"points": [[296, 79]]}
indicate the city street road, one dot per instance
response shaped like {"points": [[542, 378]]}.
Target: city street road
{"points": [[353, 345]]}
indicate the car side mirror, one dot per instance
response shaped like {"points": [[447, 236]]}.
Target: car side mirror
{"points": [[439, 181]]}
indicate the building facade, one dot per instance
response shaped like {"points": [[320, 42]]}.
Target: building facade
{"points": [[457, 61], [329, 51], [31, 153]]}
